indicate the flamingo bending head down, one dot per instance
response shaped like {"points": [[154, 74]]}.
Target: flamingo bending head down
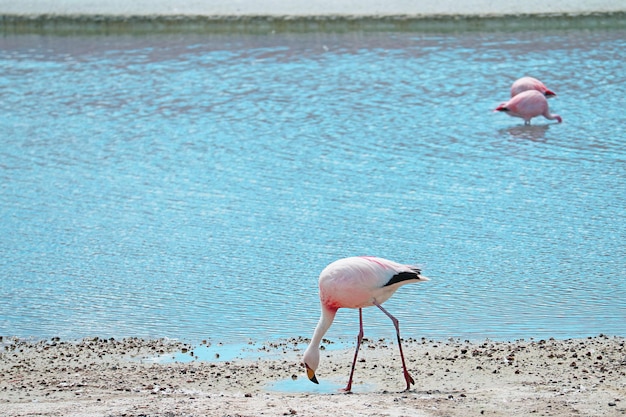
{"points": [[528, 104], [358, 282], [530, 83]]}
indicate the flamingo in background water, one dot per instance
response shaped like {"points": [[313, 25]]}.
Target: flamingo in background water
{"points": [[530, 83], [528, 104], [358, 282]]}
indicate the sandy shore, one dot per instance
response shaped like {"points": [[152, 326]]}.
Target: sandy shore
{"points": [[96, 377]]}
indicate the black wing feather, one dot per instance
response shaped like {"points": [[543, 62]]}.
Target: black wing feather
{"points": [[404, 276]]}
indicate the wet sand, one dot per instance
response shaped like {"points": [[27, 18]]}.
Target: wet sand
{"points": [[95, 377]]}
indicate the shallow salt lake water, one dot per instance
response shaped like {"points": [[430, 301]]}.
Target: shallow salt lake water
{"points": [[194, 186]]}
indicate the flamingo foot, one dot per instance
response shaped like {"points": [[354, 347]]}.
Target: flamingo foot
{"points": [[409, 380]]}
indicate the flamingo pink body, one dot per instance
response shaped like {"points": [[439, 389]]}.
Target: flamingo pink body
{"points": [[528, 104], [530, 83], [357, 282]]}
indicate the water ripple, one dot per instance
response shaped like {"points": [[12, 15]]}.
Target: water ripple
{"points": [[194, 187]]}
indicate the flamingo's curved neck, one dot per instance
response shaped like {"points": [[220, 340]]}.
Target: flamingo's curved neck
{"points": [[550, 116], [323, 325]]}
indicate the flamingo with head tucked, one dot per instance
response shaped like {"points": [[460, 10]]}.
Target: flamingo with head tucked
{"points": [[528, 104], [358, 282], [530, 83]]}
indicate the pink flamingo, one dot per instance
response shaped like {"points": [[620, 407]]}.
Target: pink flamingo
{"points": [[530, 83], [528, 104], [358, 282]]}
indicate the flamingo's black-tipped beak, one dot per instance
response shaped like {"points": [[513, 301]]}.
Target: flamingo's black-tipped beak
{"points": [[310, 373], [550, 94]]}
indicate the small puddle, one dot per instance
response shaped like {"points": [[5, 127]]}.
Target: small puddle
{"points": [[327, 386], [217, 353]]}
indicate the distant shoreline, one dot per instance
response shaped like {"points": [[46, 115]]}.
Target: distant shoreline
{"points": [[164, 23], [307, 8]]}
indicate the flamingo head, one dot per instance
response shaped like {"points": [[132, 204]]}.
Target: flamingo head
{"points": [[311, 360], [549, 93], [502, 107], [310, 373]]}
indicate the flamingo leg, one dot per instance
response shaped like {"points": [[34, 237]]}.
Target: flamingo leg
{"points": [[407, 377], [359, 338]]}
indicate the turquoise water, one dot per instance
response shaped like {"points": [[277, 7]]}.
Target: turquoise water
{"points": [[194, 186]]}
